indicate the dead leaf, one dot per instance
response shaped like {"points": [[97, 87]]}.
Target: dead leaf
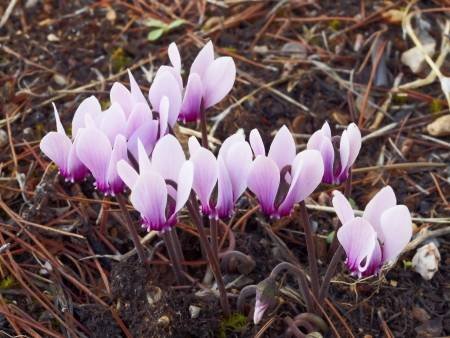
{"points": [[414, 57], [440, 126]]}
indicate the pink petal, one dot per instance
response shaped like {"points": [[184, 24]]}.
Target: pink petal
{"points": [[184, 184], [94, 150], [165, 84], [113, 122], [316, 140], [141, 114], [136, 93], [176, 75], [149, 197], [383, 200], [76, 168], [282, 150], [238, 170], [344, 152], [127, 173], [225, 202], [148, 134], [193, 145], [343, 208], [56, 146], [168, 157], [206, 171], [396, 229], [89, 106], [190, 108], [119, 152], [354, 136], [144, 161], [174, 56], [203, 59], [327, 152], [257, 143], [120, 95], [164, 107], [326, 130], [358, 239], [307, 173], [218, 80], [263, 180], [59, 126], [229, 142]]}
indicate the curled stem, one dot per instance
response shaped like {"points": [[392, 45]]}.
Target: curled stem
{"points": [[132, 230], [301, 280], [237, 261], [249, 290]]}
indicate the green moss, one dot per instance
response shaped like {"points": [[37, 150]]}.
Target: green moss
{"points": [[235, 323], [400, 98], [436, 106], [119, 60], [7, 283], [335, 24]]}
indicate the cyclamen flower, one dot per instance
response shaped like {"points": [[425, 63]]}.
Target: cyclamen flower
{"points": [[226, 174], [100, 156], [163, 184], [139, 122], [282, 178], [60, 149], [377, 237], [209, 81], [337, 162]]}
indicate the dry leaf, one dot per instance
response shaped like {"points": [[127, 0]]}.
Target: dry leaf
{"points": [[440, 126], [414, 58], [393, 16]]}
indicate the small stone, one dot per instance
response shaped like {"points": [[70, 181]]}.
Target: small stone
{"points": [[194, 311], [3, 138], [164, 321], [59, 79], [52, 38], [111, 15], [440, 126], [426, 260], [154, 295], [420, 314]]}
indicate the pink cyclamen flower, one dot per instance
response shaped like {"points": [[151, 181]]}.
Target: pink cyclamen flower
{"points": [[100, 152], [163, 184], [228, 173], [282, 178], [338, 153], [139, 122], [60, 149], [209, 81], [377, 237]]}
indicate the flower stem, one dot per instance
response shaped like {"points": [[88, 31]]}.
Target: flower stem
{"points": [[174, 259], [214, 240], [312, 260], [203, 127], [330, 272], [337, 256], [212, 259], [134, 235]]}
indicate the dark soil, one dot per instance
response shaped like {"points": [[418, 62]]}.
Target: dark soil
{"points": [[64, 51]]}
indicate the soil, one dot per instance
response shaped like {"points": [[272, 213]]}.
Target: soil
{"points": [[64, 51]]}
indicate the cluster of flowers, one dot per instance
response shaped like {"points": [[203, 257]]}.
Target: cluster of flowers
{"points": [[130, 145]]}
